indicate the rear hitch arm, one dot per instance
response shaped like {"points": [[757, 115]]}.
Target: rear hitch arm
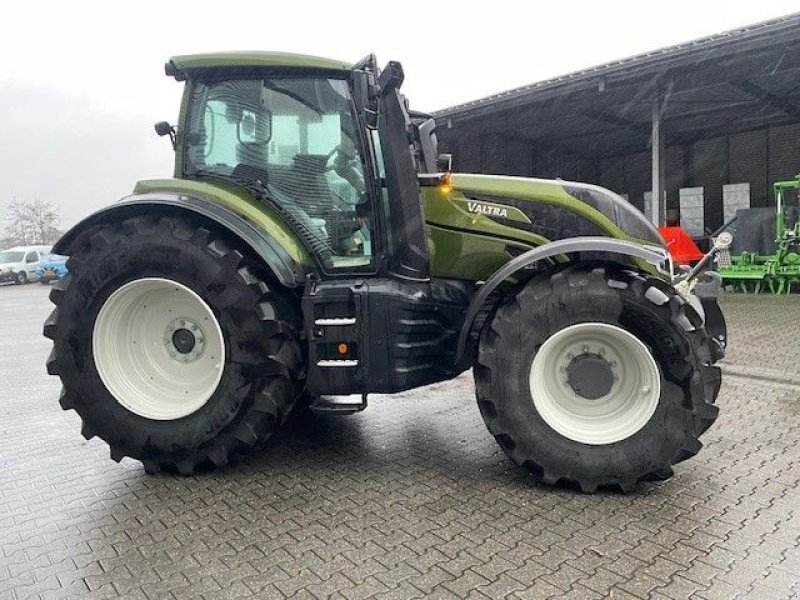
{"points": [[686, 282]]}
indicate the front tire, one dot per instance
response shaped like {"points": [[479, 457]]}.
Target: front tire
{"points": [[21, 278], [171, 346], [596, 377]]}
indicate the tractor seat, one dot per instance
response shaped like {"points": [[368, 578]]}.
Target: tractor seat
{"points": [[246, 171], [306, 184]]}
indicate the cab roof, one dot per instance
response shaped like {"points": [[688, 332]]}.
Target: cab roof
{"points": [[215, 60]]}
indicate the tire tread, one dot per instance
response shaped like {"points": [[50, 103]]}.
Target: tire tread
{"points": [[265, 346], [698, 378]]}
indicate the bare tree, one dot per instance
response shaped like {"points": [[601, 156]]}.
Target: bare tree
{"points": [[31, 222]]}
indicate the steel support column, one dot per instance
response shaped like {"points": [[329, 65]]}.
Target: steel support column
{"points": [[658, 207]]}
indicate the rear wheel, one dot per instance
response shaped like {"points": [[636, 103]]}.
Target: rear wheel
{"points": [[158, 348], [171, 346], [597, 377]]}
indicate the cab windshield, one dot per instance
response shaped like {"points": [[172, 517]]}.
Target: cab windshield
{"points": [[8, 257], [297, 138]]}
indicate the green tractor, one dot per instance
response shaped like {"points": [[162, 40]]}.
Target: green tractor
{"points": [[313, 247]]}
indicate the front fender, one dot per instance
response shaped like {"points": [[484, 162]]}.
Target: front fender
{"points": [[704, 297], [656, 256], [286, 270]]}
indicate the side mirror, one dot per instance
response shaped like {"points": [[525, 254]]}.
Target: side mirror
{"points": [[391, 77], [164, 128], [444, 163], [254, 129]]}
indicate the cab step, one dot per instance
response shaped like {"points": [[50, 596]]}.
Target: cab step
{"points": [[337, 363], [338, 405], [336, 321]]}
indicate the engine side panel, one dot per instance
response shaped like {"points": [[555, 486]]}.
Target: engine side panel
{"points": [[480, 222]]}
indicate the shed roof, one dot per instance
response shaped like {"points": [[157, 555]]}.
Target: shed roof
{"points": [[739, 80]]}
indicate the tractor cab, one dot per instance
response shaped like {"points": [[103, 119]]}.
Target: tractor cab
{"points": [[324, 145]]}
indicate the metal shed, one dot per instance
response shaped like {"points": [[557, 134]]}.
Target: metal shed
{"points": [[706, 114]]}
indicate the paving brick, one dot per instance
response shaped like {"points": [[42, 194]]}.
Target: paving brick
{"points": [[604, 581], [641, 585], [503, 586], [462, 585], [540, 589], [720, 590], [411, 498]]}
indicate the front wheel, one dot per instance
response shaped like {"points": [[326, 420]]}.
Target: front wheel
{"points": [[597, 377], [170, 345], [21, 278]]}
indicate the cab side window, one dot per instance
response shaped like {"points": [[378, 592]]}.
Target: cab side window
{"points": [[299, 138], [32, 257]]}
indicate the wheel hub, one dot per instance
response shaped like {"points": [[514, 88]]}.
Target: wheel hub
{"points": [[595, 383], [590, 376], [158, 348], [184, 340]]}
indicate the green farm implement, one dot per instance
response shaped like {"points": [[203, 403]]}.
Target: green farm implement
{"points": [[750, 270]]}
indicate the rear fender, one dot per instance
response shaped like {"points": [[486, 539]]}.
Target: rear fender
{"points": [[658, 257], [285, 269]]}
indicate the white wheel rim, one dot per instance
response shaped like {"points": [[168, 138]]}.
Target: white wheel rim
{"points": [[617, 414], [135, 351]]}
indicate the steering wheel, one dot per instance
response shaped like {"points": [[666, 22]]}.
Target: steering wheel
{"points": [[341, 159], [345, 164]]}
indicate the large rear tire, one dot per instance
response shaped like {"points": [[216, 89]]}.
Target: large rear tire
{"points": [[170, 344], [597, 376]]}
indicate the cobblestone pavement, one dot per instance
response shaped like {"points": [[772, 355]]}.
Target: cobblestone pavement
{"points": [[411, 498]]}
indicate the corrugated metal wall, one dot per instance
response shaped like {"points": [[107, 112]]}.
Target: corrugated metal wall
{"points": [[747, 163], [783, 152], [709, 169], [757, 157]]}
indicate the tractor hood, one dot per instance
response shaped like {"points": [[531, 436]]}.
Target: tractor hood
{"points": [[536, 211]]}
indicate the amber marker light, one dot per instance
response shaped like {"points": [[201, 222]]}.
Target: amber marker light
{"points": [[446, 185], [342, 348]]}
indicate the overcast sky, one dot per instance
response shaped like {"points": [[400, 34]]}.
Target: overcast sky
{"points": [[82, 82]]}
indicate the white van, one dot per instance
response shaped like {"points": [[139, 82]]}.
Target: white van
{"points": [[18, 264]]}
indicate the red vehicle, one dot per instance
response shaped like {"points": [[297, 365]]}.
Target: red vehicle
{"points": [[680, 245]]}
